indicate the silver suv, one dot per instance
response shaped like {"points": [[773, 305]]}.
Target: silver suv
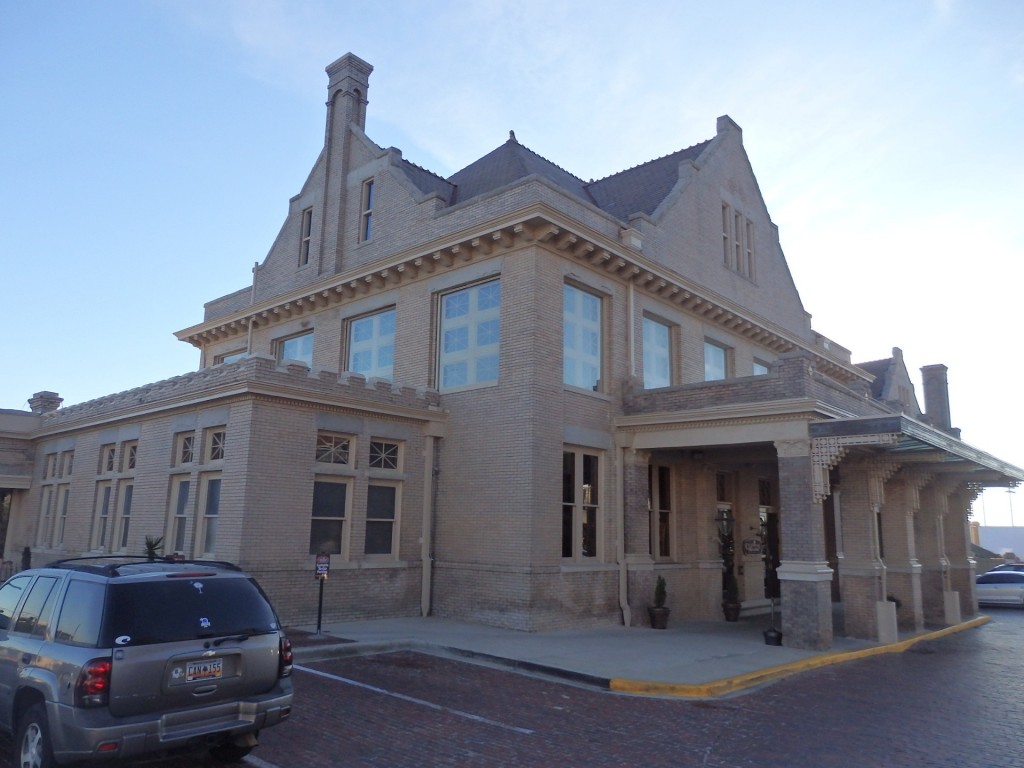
{"points": [[112, 658]]}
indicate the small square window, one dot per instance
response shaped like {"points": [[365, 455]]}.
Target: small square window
{"points": [[106, 458], [384, 454], [333, 449], [215, 445], [184, 451]]}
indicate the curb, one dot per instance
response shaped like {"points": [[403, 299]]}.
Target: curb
{"points": [[740, 682], [708, 690]]}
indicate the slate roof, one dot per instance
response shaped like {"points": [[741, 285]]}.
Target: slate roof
{"points": [[427, 182], [507, 164], [637, 190], [880, 369], [641, 189]]}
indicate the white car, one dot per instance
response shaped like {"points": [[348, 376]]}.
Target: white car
{"points": [[1002, 587]]}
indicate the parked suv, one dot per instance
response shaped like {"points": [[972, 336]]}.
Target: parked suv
{"points": [[112, 658]]}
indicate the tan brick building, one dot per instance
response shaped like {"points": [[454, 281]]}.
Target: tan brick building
{"points": [[516, 397]]}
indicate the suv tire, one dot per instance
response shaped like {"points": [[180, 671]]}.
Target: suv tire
{"points": [[33, 739]]}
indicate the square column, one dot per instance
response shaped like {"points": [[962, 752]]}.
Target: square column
{"points": [[804, 575], [903, 570], [958, 549], [929, 532]]}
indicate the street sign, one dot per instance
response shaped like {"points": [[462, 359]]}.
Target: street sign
{"points": [[323, 565]]}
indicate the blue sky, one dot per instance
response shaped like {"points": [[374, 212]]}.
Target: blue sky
{"points": [[148, 150]]}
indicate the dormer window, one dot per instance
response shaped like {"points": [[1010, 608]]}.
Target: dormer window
{"points": [[366, 216]]}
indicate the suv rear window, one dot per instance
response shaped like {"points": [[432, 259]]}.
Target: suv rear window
{"points": [[185, 608]]}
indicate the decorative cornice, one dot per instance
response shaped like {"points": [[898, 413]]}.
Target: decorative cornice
{"points": [[537, 224]]}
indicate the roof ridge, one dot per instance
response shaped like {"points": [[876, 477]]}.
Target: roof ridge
{"points": [[649, 162], [513, 140]]}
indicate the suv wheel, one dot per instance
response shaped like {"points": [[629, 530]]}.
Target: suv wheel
{"points": [[33, 739]]}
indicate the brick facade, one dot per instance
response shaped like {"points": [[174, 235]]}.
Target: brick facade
{"points": [[520, 500]]}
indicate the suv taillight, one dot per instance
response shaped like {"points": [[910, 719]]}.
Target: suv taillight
{"points": [[93, 687], [284, 666]]}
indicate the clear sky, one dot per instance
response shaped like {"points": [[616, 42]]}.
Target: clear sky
{"points": [[148, 150]]}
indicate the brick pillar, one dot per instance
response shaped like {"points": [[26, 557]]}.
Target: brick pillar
{"points": [[637, 535], [804, 574], [903, 570], [931, 551], [958, 549]]}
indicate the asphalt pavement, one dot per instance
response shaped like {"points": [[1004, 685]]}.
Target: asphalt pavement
{"points": [[698, 659]]}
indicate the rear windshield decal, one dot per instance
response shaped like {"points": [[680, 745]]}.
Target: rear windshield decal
{"points": [[123, 639]]}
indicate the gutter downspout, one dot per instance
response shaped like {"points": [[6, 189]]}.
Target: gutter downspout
{"points": [[430, 472], [620, 504], [620, 547]]}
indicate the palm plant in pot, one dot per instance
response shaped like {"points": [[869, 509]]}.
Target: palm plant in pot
{"points": [[658, 612]]}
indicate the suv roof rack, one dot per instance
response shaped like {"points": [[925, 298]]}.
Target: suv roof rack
{"points": [[111, 564]]}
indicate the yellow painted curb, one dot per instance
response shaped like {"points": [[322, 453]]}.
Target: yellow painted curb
{"points": [[739, 682]]}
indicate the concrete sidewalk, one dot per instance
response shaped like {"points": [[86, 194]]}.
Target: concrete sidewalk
{"points": [[690, 659]]}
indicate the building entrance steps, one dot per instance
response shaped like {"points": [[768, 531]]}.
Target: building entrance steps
{"points": [[698, 659]]}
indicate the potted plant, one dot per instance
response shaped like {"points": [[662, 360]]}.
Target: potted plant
{"points": [[153, 545], [730, 596], [658, 612]]}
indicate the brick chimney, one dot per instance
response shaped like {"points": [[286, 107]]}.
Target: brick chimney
{"points": [[936, 397], [45, 402]]}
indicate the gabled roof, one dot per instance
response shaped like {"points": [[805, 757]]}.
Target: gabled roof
{"points": [[879, 369], [509, 163], [641, 189]]}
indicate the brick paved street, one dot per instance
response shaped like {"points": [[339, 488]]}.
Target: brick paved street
{"points": [[952, 702]]}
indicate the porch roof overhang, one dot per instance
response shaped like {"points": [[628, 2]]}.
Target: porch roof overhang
{"points": [[911, 442]]}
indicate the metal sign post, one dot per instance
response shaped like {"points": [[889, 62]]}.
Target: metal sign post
{"points": [[323, 567]]}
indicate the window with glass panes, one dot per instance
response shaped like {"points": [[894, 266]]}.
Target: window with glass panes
{"points": [[470, 331], [659, 482], [332, 448], [580, 504], [371, 345], [716, 359], [581, 338], [298, 348], [330, 505], [657, 354], [381, 519]]}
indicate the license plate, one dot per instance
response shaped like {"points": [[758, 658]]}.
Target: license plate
{"points": [[211, 669]]}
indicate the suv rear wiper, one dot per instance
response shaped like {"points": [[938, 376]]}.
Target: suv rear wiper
{"points": [[237, 638]]}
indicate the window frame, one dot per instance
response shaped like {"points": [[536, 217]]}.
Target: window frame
{"points": [[581, 324], [281, 343], [102, 514], [343, 520], [208, 526], [374, 344], [214, 445], [305, 235], [394, 521], [184, 449], [474, 356], [366, 195], [322, 452], [578, 506], [652, 356], [712, 344], [123, 516], [178, 514], [663, 521]]}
